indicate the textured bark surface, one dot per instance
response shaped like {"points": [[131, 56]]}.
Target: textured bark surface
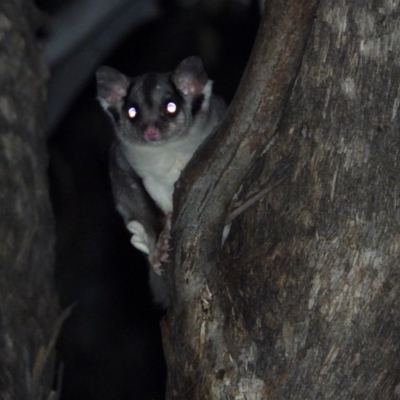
{"points": [[27, 299], [303, 302]]}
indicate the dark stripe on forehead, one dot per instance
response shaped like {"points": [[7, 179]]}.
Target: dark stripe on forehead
{"points": [[149, 85]]}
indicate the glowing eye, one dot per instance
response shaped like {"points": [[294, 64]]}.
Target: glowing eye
{"points": [[171, 107], [132, 112]]}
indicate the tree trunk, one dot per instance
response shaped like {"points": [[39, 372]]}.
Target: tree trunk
{"points": [[302, 301], [27, 299]]}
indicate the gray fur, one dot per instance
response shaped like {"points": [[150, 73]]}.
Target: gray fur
{"points": [[152, 148]]}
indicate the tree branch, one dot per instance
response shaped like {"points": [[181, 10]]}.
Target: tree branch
{"points": [[28, 303], [213, 176], [206, 189]]}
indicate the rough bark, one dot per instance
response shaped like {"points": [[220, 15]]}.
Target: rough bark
{"points": [[303, 302], [27, 298]]}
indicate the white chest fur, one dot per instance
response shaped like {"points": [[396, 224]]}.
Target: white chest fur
{"points": [[161, 166]]}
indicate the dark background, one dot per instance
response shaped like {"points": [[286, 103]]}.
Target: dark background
{"points": [[110, 347]]}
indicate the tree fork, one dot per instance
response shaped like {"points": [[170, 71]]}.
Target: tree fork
{"points": [[204, 361], [314, 267]]}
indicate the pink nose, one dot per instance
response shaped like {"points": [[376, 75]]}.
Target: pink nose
{"points": [[152, 134]]}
